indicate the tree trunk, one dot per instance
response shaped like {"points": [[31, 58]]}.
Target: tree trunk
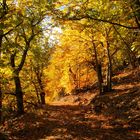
{"points": [[98, 70], [37, 92], [100, 77], [16, 71], [42, 96], [132, 59], [1, 36], [109, 72], [19, 94], [0, 104], [42, 93]]}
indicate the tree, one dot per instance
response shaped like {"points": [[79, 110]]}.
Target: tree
{"points": [[4, 10], [21, 43], [41, 54]]}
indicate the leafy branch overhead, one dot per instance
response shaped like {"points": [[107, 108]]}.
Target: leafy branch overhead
{"points": [[111, 12]]}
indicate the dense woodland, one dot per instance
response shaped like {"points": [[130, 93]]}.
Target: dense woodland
{"points": [[53, 49]]}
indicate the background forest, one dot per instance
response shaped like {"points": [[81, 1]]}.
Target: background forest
{"points": [[53, 48]]}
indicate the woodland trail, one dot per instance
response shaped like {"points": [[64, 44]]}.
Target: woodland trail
{"points": [[117, 116], [68, 123]]}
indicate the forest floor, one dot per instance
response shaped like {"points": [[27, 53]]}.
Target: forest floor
{"points": [[86, 116]]}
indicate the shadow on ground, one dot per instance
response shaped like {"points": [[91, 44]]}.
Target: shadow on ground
{"points": [[69, 123], [113, 116]]}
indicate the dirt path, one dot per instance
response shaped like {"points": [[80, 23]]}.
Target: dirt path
{"points": [[119, 118], [67, 123]]}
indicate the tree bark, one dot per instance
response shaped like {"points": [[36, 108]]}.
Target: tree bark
{"points": [[37, 92], [109, 72], [100, 77], [16, 71], [19, 94], [0, 104], [42, 96], [98, 70], [4, 9], [1, 36], [42, 93]]}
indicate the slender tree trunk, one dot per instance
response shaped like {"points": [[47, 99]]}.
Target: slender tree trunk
{"points": [[42, 93], [4, 12], [1, 36], [37, 92], [109, 73], [34, 83], [132, 59], [16, 71], [78, 76], [100, 77], [98, 70], [42, 96], [0, 105], [19, 94]]}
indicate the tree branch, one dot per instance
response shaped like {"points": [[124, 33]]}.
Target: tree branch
{"points": [[13, 59], [100, 20], [13, 28], [23, 57]]}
